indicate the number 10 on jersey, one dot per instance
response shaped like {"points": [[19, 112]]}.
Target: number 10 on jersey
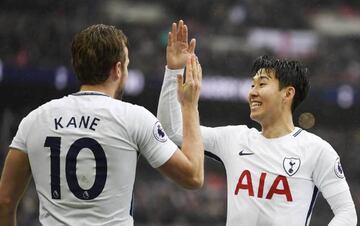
{"points": [[54, 143]]}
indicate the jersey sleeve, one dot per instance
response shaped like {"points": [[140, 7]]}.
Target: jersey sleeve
{"points": [[169, 109], [343, 208], [328, 174], [20, 140], [151, 139], [169, 114]]}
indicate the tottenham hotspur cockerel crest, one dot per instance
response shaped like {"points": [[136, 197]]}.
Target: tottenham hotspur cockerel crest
{"points": [[291, 165]]}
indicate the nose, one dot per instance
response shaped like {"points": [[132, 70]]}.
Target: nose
{"points": [[253, 92]]}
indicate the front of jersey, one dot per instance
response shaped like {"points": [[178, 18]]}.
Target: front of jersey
{"points": [[274, 182], [270, 182], [83, 151]]}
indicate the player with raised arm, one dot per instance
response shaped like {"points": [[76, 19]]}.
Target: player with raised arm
{"points": [[273, 175], [82, 149]]}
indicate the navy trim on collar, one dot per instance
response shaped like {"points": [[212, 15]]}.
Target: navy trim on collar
{"points": [[297, 132], [89, 93]]}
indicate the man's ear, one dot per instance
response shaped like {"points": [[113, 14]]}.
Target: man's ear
{"points": [[289, 93], [116, 70]]}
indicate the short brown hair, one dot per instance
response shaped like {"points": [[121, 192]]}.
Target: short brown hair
{"points": [[95, 50]]}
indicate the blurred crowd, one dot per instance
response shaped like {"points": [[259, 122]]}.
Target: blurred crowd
{"points": [[324, 35], [40, 32]]}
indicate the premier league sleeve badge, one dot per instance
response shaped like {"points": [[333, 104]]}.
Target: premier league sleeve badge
{"points": [[338, 169], [159, 132]]}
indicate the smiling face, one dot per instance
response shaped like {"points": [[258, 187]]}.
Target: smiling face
{"points": [[266, 100]]}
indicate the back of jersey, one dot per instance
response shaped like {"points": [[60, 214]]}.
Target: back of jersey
{"points": [[83, 152]]}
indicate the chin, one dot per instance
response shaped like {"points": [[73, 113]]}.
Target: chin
{"points": [[255, 117]]}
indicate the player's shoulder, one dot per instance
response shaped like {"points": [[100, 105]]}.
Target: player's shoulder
{"points": [[235, 130], [312, 141], [130, 111], [131, 108], [43, 107]]}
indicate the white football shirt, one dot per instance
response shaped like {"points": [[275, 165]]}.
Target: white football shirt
{"points": [[83, 151], [274, 181], [269, 181]]}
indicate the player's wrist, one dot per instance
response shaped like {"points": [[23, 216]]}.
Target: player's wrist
{"points": [[175, 67], [189, 107], [174, 72]]}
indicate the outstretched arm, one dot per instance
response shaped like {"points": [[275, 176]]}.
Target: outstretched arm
{"points": [[177, 51], [169, 109], [14, 180], [186, 167]]}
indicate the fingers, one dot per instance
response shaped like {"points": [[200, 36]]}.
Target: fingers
{"points": [[197, 71], [192, 45], [180, 31], [198, 74], [173, 33], [193, 69], [169, 42], [185, 34], [189, 69]]}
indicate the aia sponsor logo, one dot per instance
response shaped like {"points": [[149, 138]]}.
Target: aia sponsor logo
{"points": [[279, 186]]}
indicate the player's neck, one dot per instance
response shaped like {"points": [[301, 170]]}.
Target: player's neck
{"points": [[98, 88], [279, 127]]}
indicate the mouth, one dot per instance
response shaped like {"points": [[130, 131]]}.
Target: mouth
{"points": [[255, 105]]}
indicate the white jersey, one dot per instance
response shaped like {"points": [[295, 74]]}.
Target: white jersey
{"points": [[83, 151], [269, 181]]}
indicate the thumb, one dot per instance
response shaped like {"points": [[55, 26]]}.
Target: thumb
{"points": [[192, 45]]}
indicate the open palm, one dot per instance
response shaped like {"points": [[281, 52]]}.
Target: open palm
{"points": [[178, 49]]}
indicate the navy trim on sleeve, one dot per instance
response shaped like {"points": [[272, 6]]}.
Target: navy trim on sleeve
{"points": [[132, 205], [312, 204]]}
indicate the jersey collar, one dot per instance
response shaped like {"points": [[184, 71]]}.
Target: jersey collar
{"points": [[86, 93]]}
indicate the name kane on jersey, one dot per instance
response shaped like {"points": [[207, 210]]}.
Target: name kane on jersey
{"points": [[86, 122]]}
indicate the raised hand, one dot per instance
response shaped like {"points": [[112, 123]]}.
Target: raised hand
{"points": [[189, 90], [178, 49]]}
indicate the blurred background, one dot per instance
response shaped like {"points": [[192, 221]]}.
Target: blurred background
{"points": [[35, 67]]}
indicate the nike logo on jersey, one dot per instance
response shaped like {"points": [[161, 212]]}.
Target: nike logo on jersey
{"points": [[244, 152]]}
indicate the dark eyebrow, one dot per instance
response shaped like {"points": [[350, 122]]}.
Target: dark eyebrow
{"points": [[262, 77]]}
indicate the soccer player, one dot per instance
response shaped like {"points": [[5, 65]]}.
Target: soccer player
{"points": [[273, 175], [82, 149]]}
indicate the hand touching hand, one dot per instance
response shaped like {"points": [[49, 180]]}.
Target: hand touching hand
{"points": [[189, 91], [178, 49]]}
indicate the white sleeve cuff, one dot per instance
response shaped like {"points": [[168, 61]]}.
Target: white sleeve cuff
{"points": [[173, 72]]}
